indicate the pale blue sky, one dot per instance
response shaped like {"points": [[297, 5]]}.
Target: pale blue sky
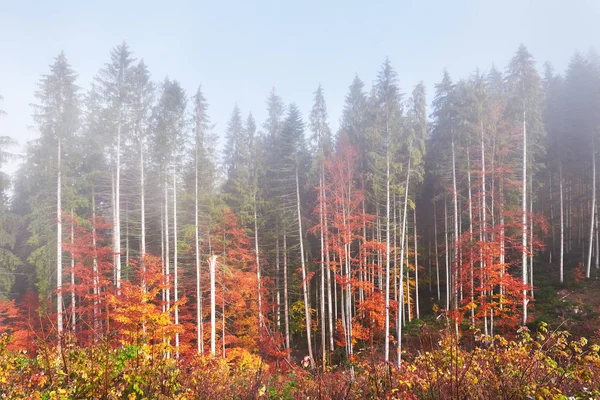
{"points": [[238, 50]]}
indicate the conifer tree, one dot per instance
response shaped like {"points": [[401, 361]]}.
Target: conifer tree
{"points": [[57, 118]]}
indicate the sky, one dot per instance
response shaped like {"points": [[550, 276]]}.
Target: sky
{"points": [[239, 50]]}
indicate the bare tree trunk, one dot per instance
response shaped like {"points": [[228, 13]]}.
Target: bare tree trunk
{"points": [[387, 261], [322, 237], [59, 272], [417, 311], [175, 266], [258, 273], [437, 256], [524, 222], [402, 249], [117, 239], [471, 272], [286, 303], [562, 223], [277, 284], [142, 218], [212, 265], [456, 233], [73, 304], [592, 212], [199, 327], [167, 249], [95, 278], [448, 277], [304, 275], [330, 282]]}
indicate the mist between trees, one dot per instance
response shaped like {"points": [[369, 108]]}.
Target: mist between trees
{"points": [[124, 222]]}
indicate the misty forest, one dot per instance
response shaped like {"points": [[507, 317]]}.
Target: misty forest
{"points": [[438, 245]]}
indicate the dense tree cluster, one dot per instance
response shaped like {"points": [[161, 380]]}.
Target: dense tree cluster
{"points": [[124, 222]]}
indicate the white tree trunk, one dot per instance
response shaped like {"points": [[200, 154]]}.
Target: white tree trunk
{"points": [[386, 330], [167, 249], [59, 272], [524, 222], [448, 277], [117, 207], [562, 223], [212, 264], [417, 310], [402, 249], [175, 254], [322, 216], [95, 277], [199, 327], [73, 304], [437, 257], [286, 303], [258, 276], [304, 275], [142, 218], [592, 213], [456, 233]]}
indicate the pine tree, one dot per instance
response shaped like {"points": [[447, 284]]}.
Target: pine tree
{"points": [[169, 138], [321, 139], [57, 118], [524, 85], [114, 87]]}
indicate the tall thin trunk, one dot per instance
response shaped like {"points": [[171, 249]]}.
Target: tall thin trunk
{"points": [[330, 282], [199, 327], [286, 303], [277, 284], [212, 266], [258, 276], [592, 212], [386, 330], [167, 249], [322, 237], [59, 272], [304, 274], [437, 256], [117, 239], [524, 222], [402, 249], [175, 265], [73, 304], [471, 272], [456, 233], [142, 217], [562, 223], [95, 277], [448, 277], [417, 311]]}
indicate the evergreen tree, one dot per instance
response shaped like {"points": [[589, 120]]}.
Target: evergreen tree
{"points": [[57, 119]]}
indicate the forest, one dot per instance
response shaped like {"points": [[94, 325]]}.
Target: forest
{"points": [[441, 245]]}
